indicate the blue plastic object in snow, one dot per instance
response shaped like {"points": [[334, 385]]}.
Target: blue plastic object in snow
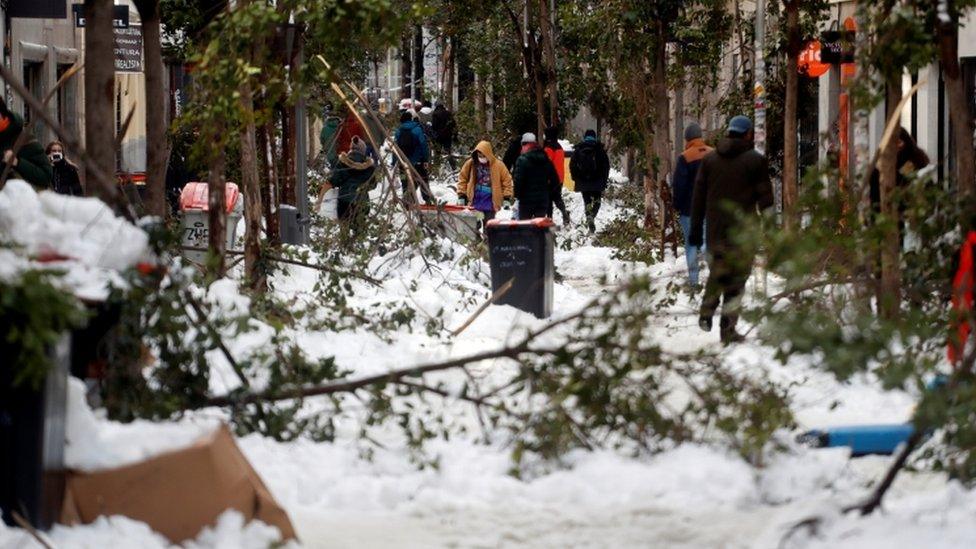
{"points": [[861, 439]]}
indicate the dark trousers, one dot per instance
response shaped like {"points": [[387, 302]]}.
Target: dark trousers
{"points": [[411, 198], [557, 204], [352, 214], [531, 210], [591, 203], [728, 273]]}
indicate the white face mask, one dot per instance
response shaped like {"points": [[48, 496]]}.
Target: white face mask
{"points": [[57, 157], [482, 159]]}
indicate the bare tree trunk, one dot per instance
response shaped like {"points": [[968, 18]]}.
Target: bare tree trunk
{"points": [[451, 68], [99, 94], [216, 203], [889, 291], [548, 35], [267, 189], [962, 123], [254, 272], [790, 146], [661, 159], [406, 64], [157, 147], [418, 61]]}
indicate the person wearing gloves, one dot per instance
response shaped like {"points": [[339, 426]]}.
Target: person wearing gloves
{"points": [[351, 178], [535, 180], [485, 182], [65, 178]]}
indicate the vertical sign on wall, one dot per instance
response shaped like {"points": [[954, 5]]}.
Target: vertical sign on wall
{"points": [[128, 49]]}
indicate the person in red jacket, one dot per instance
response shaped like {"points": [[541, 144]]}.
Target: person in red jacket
{"points": [[557, 156], [961, 317]]}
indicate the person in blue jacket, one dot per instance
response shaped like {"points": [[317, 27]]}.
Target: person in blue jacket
{"points": [[412, 141], [683, 186]]}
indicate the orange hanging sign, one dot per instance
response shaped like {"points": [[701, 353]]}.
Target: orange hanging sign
{"points": [[809, 63]]}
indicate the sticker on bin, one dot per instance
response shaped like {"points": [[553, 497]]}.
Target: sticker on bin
{"points": [[195, 196], [537, 222]]}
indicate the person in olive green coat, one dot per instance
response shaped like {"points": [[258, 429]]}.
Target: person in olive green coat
{"points": [[354, 170], [30, 163]]}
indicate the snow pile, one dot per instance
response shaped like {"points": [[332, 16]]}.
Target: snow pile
{"points": [[230, 532], [94, 443], [79, 235]]}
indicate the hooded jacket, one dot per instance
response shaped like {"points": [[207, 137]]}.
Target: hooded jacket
{"points": [[557, 156], [535, 178], [732, 180], [354, 171], [501, 179], [685, 171], [33, 165], [420, 153]]}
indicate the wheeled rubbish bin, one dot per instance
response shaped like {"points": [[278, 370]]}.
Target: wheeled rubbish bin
{"points": [[523, 250]]}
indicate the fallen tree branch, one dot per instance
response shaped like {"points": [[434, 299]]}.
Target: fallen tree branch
{"points": [[500, 293]]}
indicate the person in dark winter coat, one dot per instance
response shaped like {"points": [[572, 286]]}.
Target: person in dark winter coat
{"points": [[412, 140], [536, 181], [733, 180], [64, 178], [29, 163], [443, 127], [351, 178], [590, 168], [683, 185], [557, 156]]}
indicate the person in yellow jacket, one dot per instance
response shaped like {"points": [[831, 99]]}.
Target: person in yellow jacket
{"points": [[485, 182]]}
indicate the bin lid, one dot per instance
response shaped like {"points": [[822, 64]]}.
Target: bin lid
{"points": [[195, 196], [537, 222]]}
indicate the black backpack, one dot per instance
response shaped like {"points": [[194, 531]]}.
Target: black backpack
{"points": [[407, 142], [584, 165]]}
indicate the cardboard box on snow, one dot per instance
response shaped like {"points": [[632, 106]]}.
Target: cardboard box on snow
{"points": [[177, 493]]}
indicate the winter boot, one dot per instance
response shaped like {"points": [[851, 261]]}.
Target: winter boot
{"points": [[705, 323], [591, 224], [727, 332]]}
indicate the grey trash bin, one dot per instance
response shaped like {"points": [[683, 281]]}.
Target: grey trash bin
{"points": [[194, 220], [290, 222]]}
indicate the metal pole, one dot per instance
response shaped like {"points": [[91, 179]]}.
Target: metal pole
{"points": [[301, 152], [759, 90]]}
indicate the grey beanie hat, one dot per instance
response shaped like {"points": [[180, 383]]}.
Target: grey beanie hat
{"points": [[528, 137], [692, 131]]}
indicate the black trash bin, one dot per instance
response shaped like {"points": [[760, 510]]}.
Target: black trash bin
{"points": [[32, 431], [523, 250]]}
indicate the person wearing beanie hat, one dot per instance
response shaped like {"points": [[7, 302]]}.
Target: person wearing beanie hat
{"points": [[535, 180], [590, 168], [411, 139], [732, 185], [351, 178], [557, 156], [682, 187]]}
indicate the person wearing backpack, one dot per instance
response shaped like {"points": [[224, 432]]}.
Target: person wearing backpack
{"points": [[682, 187], [590, 168], [443, 127], [412, 141]]}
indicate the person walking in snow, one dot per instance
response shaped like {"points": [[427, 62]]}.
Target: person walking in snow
{"points": [[64, 178], [485, 182], [535, 180], [354, 170], [412, 141], [443, 128], [557, 156], [28, 162], [683, 186], [590, 168], [732, 182]]}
